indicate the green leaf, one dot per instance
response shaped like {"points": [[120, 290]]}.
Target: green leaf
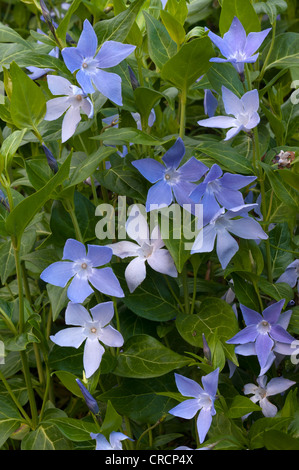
{"points": [[125, 135], [23, 213], [58, 299], [226, 156], [63, 25], [216, 319], [28, 103], [8, 35], [112, 420], [285, 51], [75, 430], [245, 13], [192, 61], [277, 440], [160, 45], [146, 99], [175, 29], [11, 144], [272, 8], [10, 419], [276, 291], [225, 75], [118, 28], [284, 193], [245, 291], [262, 425], [46, 437], [160, 303], [145, 357], [241, 406]]}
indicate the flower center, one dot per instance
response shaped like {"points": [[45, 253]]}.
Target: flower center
{"points": [[84, 265], [261, 393], [205, 401], [84, 65], [171, 176], [93, 330], [79, 97], [264, 327]]}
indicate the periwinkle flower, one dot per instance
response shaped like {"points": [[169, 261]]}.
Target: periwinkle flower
{"points": [[243, 109], [89, 400], [52, 162], [264, 334], [218, 190], [210, 103], [92, 328], [202, 399], [171, 181], [291, 274], [71, 101], [221, 226], [89, 63], [114, 442], [82, 269], [262, 391], [237, 47], [147, 249]]}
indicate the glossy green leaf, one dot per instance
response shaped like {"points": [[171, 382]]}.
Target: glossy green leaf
{"points": [[241, 406], [160, 45], [244, 10]]}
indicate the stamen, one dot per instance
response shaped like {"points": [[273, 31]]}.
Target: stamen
{"points": [[93, 330], [83, 265]]}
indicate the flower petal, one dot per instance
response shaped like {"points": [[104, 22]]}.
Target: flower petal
{"points": [[105, 281], [69, 337], [251, 317], [59, 85], [72, 58], [226, 247], [76, 314], [135, 273], [251, 101], [159, 195], [272, 313], [193, 170], [236, 35], [263, 347], [92, 356], [222, 122], [112, 53], [111, 337], [247, 335], [204, 243], [203, 423], [187, 387], [99, 255], [102, 313], [232, 104], [279, 334], [79, 289], [69, 124], [136, 225], [115, 438], [101, 442], [109, 84], [278, 385], [151, 169], [173, 157], [125, 249], [84, 80], [74, 250], [162, 262], [254, 41], [56, 107], [88, 41], [58, 273], [247, 228], [187, 409], [210, 382], [269, 410]]}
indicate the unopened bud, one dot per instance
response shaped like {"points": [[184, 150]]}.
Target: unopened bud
{"points": [[52, 162], [89, 400], [206, 349]]}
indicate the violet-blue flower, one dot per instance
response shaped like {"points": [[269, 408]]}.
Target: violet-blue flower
{"points": [[92, 328], [82, 269], [89, 63], [291, 274], [221, 226], [202, 399], [243, 109], [149, 248], [218, 190], [264, 334], [170, 181], [262, 391], [236, 47], [73, 102], [114, 442], [89, 399]]}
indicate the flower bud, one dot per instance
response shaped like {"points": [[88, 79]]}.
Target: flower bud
{"points": [[89, 400]]}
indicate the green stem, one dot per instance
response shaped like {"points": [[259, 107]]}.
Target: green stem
{"points": [[30, 390], [173, 293], [183, 102], [269, 53], [71, 211], [185, 287], [149, 429], [15, 400]]}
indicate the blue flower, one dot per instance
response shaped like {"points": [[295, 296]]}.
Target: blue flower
{"points": [[236, 47], [72, 102], [202, 399], [221, 227], [264, 334], [92, 328], [114, 442], [89, 64], [89, 400], [82, 269], [243, 109], [291, 274], [218, 190], [170, 181]]}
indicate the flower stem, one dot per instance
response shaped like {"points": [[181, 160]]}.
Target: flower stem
{"points": [[183, 101], [185, 287], [71, 211]]}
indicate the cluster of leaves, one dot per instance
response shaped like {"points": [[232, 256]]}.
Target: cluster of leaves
{"points": [[164, 319]]}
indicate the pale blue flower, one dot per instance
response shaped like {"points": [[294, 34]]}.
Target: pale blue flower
{"points": [[149, 248], [219, 190], [171, 183], [220, 228], [291, 274], [92, 328], [262, 391], [264, 334], [89, 63], [236, 47], [243, 109], [71, 101], [114, 442], [83, 270]]}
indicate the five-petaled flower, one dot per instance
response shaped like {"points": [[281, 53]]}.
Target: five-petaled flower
{"points": [[114, 442], [92, 328], [219, 190], [264, 334], [89, 63], [243, 109], [72, 100], [236, 47], [202, 399], [262, 391], [170, 181], [221, 226], [149, 248], [82, 269]]}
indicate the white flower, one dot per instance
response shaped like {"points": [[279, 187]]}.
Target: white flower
{"points": [[149, 248]]}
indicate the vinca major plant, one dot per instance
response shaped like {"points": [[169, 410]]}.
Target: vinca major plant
{"points": [[149, 242]]}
